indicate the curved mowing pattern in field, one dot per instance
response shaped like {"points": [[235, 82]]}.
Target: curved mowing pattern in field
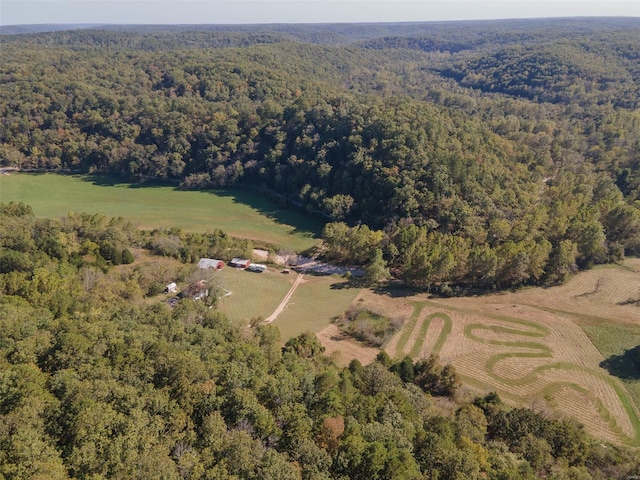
{"points": [[411, 340], [442, 337], [519, 336], [407, 329]]}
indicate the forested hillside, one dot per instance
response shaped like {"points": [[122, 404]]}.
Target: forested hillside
{"points": [[99, 379], [479, 154]]}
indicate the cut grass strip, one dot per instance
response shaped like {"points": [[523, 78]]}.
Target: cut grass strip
{"points": [[442, 337], [407, 329], [543, 351]]}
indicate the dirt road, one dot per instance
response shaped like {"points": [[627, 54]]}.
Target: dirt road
{"points": [[285, 300]]}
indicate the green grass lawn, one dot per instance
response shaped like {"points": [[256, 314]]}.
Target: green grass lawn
{"points": [[237, 212], [314, 304], [252, 294], [612, 339]]}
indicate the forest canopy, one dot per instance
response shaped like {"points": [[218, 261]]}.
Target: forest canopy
{"points": [[488, 154]]}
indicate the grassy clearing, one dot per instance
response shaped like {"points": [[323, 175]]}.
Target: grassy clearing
{"points": [[594, 296], [610, 340], [314, 305], [252, 294], [237, 212]]}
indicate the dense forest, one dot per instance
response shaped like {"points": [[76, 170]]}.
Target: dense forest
{"points": [[484, 154], [97, 381]]}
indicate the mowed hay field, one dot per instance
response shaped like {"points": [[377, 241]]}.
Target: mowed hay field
{"points": [[540, 347], [237, 212]]}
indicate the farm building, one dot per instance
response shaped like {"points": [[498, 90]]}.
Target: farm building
{"points": [[210, 263], [171, 288], [240, 263], [257, 267], [196, 291]]}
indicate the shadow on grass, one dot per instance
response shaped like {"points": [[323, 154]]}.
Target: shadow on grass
{"points": [[398, 290], [625, 366], [113, 181], [303, 223], [348, 284]]}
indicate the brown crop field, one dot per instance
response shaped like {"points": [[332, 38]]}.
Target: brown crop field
{"points": [[540, 347]]}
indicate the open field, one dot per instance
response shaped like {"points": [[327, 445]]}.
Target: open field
{"points": [[532, 354], [615, 340], [237, 212], [312, 306], [540, 347], [595, 295], [317, 300], [252, 294]]}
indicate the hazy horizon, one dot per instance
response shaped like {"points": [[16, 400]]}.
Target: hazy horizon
{"points": [[200, 12]]}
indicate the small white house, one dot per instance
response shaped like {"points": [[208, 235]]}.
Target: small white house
{"points": [[171, 288], [257, 267]]}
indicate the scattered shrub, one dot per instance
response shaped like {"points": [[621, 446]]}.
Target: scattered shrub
{"points": [[367, 326]]}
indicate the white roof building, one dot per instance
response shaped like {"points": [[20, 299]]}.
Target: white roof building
{"points": [[210, 263]]}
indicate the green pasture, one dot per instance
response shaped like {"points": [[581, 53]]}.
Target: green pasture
{"points": [[314, 304], [237, 212], [612, 339], [252, 294]]}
